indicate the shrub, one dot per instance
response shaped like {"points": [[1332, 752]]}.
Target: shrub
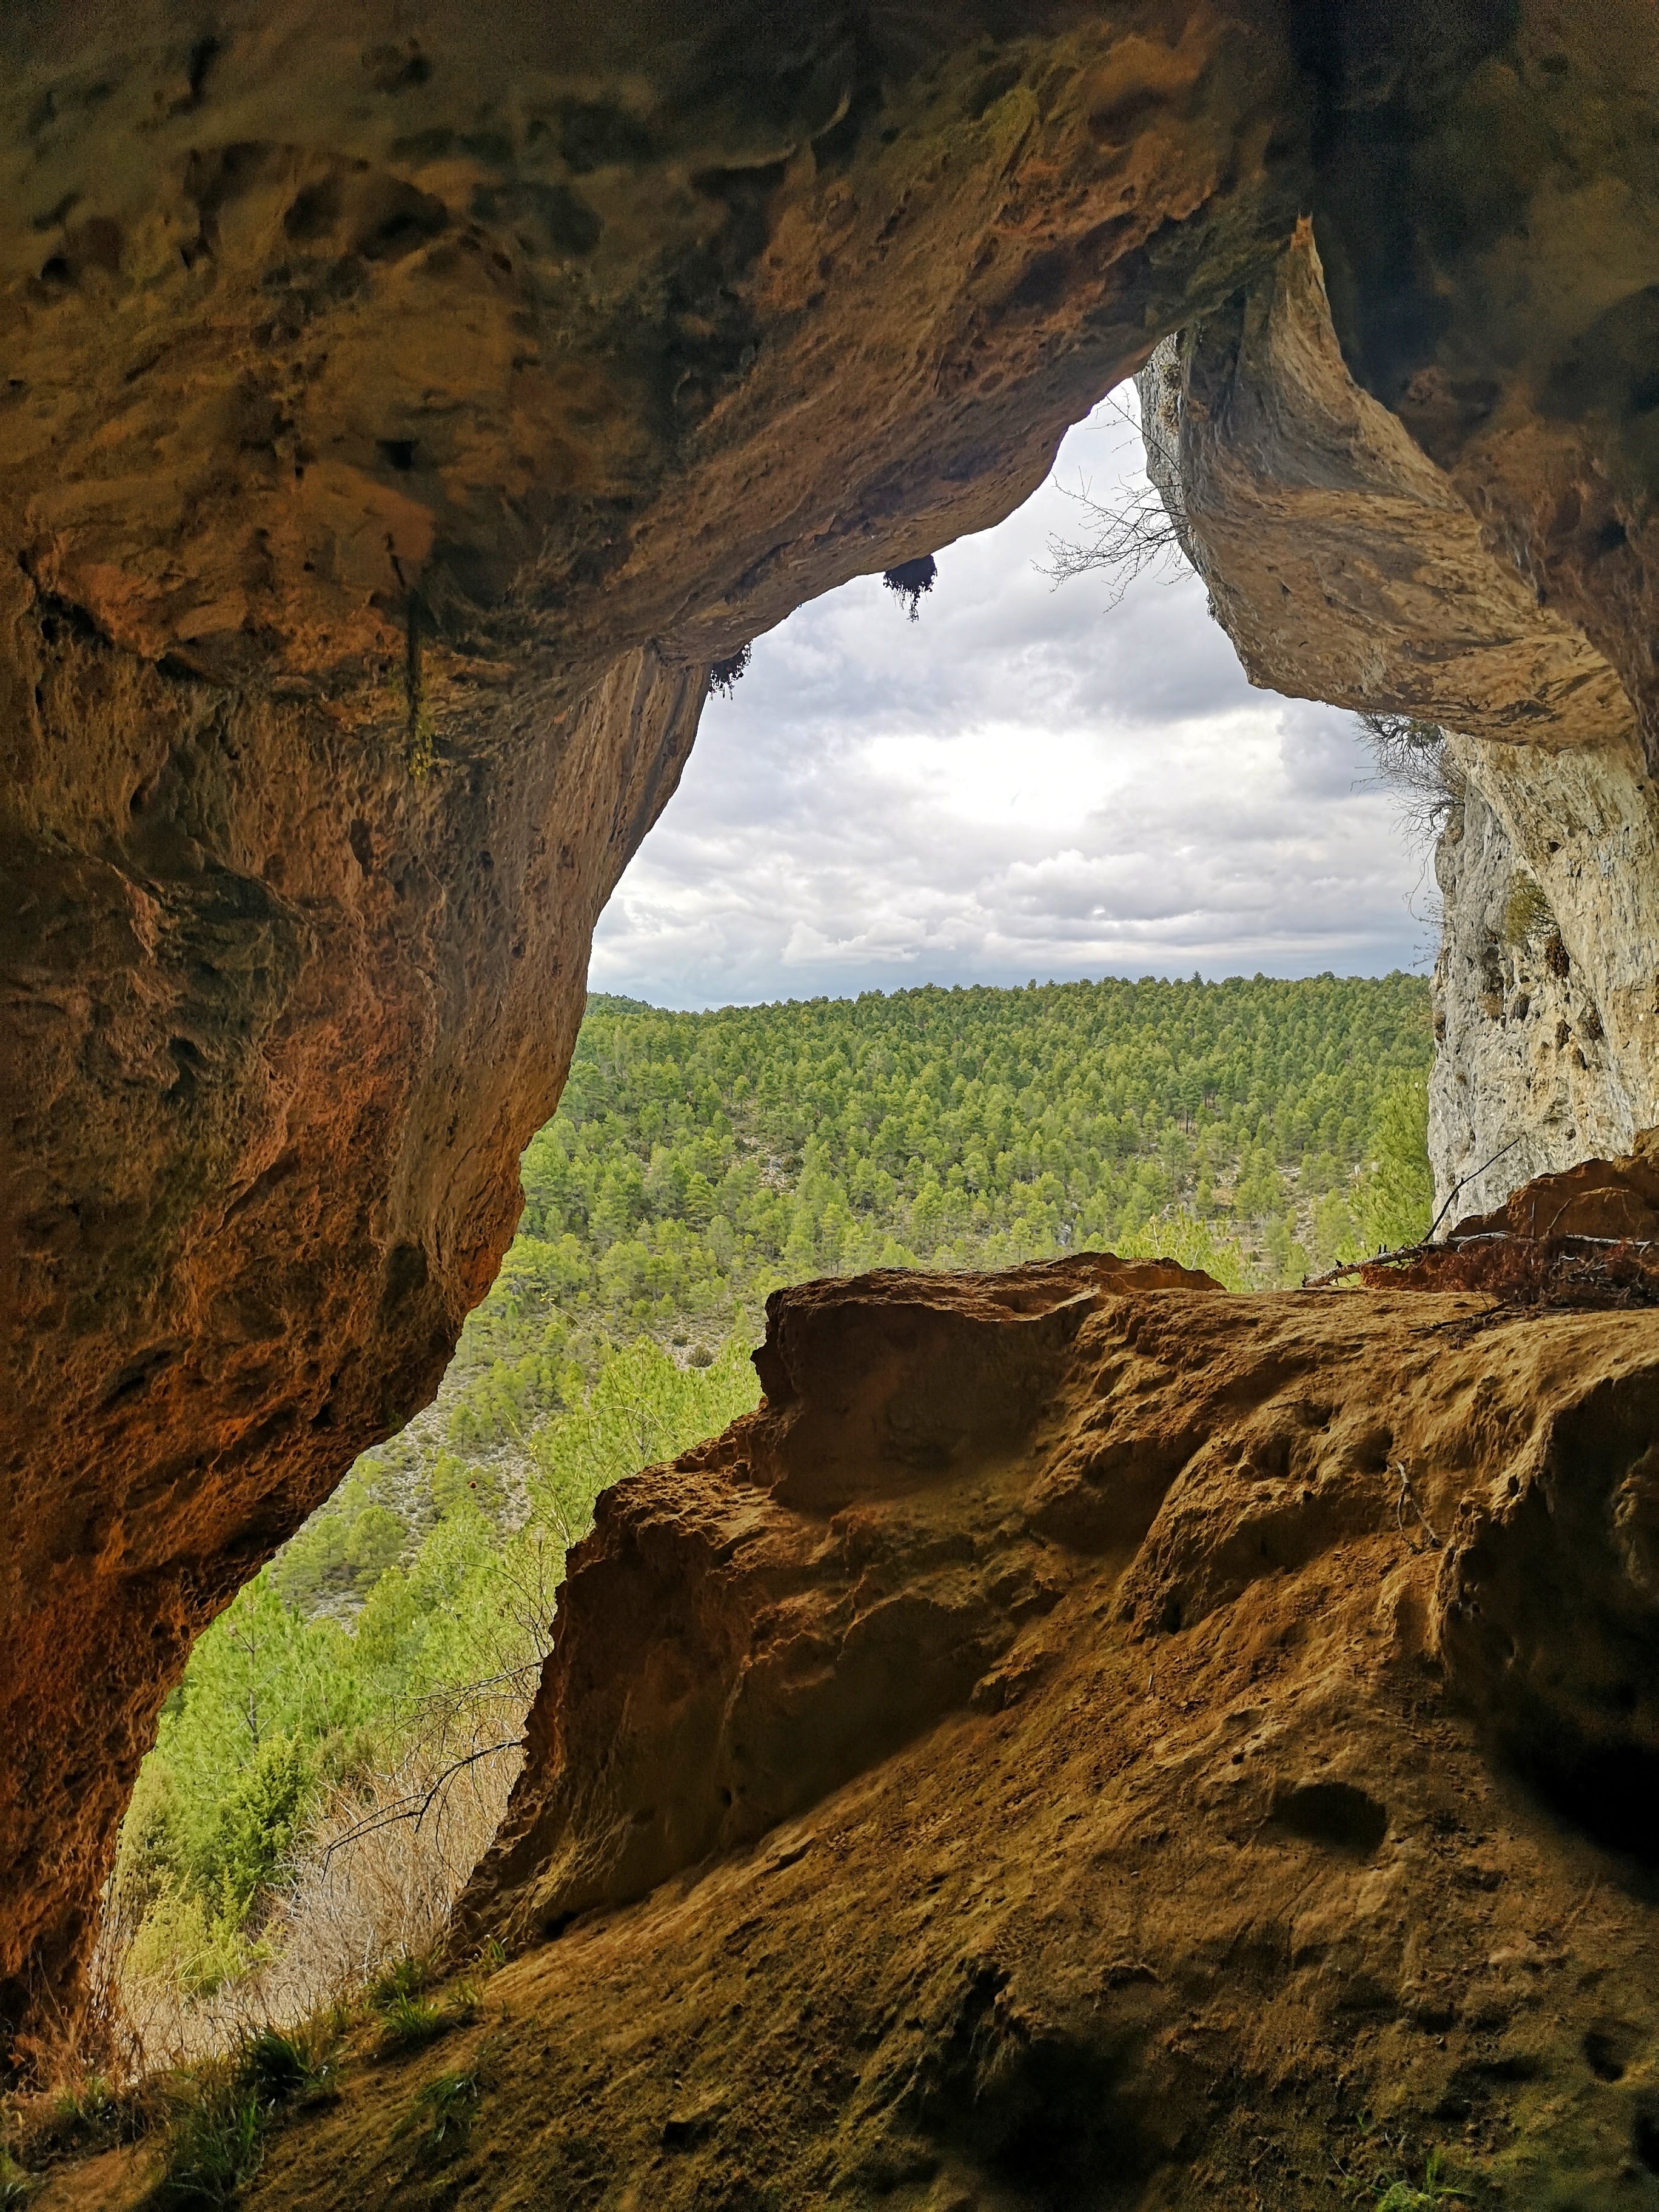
{"points": [[909, 580], [725, 675], [1527, 912]]}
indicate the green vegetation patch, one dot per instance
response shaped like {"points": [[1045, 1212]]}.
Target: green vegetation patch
{"points": [[1254, 1128]]}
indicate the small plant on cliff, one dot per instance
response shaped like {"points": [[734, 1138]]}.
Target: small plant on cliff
{"points": [[216, 2139], [293, 2065], [724, 676], [408, 2020], [406, 2023], [446, 2106], [1527, 912], [1415, 764], [1435, 2190], [223, 2109], [910, 580], [16, 2187]]}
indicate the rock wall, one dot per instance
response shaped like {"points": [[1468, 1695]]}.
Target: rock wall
{"points": [[1547, 987], [1222, 1776], [402, 407], [1347, 566]]}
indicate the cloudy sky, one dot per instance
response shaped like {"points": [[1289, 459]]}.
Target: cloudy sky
{"points": [[1028, 781]]}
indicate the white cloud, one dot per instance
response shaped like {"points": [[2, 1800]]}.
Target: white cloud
{"points": [[1026, 781]]}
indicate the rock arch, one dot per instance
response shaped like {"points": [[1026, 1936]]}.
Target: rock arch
{"points": [[402, 408]]}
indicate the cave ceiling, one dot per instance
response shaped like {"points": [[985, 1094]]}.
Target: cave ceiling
{"points": [[400, 409]]}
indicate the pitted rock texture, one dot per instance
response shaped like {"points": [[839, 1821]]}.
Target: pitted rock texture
{"points": [[1546, 985], [791, 1654], [1218, 1780], [402, 406]]}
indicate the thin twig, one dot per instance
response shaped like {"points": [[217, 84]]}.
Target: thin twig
{"points": [[405, 1808], [1409, 1497], [1578, 1910], [1402, 1253], [1463, 1181]]}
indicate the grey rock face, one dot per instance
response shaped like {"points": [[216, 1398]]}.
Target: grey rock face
{"points": [[1345, 567], [1547, 1000]]}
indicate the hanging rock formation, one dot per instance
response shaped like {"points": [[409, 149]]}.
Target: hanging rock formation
{"points": [[1400, 509], [402, 407]]}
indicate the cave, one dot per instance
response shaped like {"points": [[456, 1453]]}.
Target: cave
{"points": [[406, 413]]}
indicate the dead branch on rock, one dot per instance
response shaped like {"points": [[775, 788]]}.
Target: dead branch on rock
{"points": [[1142, 528], [1516, 1268], [1409, 1497]]}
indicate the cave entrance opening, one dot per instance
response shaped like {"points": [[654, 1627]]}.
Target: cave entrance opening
{"points": [[1029, 778], [977, 776]]}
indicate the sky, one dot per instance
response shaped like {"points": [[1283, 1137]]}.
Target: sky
{"points": [[1028, 781]]}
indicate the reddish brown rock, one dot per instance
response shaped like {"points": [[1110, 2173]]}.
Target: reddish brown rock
{"points": [[400, 411], [402, 406], [1222, 1780], [1588, 1237]]}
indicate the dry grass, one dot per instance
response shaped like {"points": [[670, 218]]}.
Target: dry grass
{"points": [[359, 1928], [375, 1885]]}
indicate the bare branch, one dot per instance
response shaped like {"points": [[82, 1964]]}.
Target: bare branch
{"points": [[418, 1803], [1144, 528], [1415, 766]]}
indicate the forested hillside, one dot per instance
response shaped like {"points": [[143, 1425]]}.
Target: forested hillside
{"points": [[698, 1160]]}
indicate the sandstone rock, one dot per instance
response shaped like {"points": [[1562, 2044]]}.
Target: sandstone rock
{"points": [[1228, 1781], [804, 1622], [402, 407], [1588, 1237], [400, 412]]}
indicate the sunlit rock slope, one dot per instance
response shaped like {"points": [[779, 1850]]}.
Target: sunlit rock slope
{"points": [[1089, 1741]]}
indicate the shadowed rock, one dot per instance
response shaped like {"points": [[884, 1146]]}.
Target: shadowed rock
{"points": [[403, 410]]}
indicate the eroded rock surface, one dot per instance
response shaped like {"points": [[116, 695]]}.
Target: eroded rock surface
{"points": [[401, 409], [403, 406], [1225, 1778]]}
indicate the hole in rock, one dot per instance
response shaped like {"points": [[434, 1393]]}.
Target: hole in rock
{"points": [[1644, 2139], [1610, 1795], [916, 823], [203, 55], [1604, 2055], [1334, 1814]]}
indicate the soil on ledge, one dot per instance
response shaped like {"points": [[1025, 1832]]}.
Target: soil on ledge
{"points": [[1088, 1740]]}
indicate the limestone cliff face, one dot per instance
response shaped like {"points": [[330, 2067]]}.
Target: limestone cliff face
{"points": [[402, 406], [1547, 989], [1347, 566]]}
